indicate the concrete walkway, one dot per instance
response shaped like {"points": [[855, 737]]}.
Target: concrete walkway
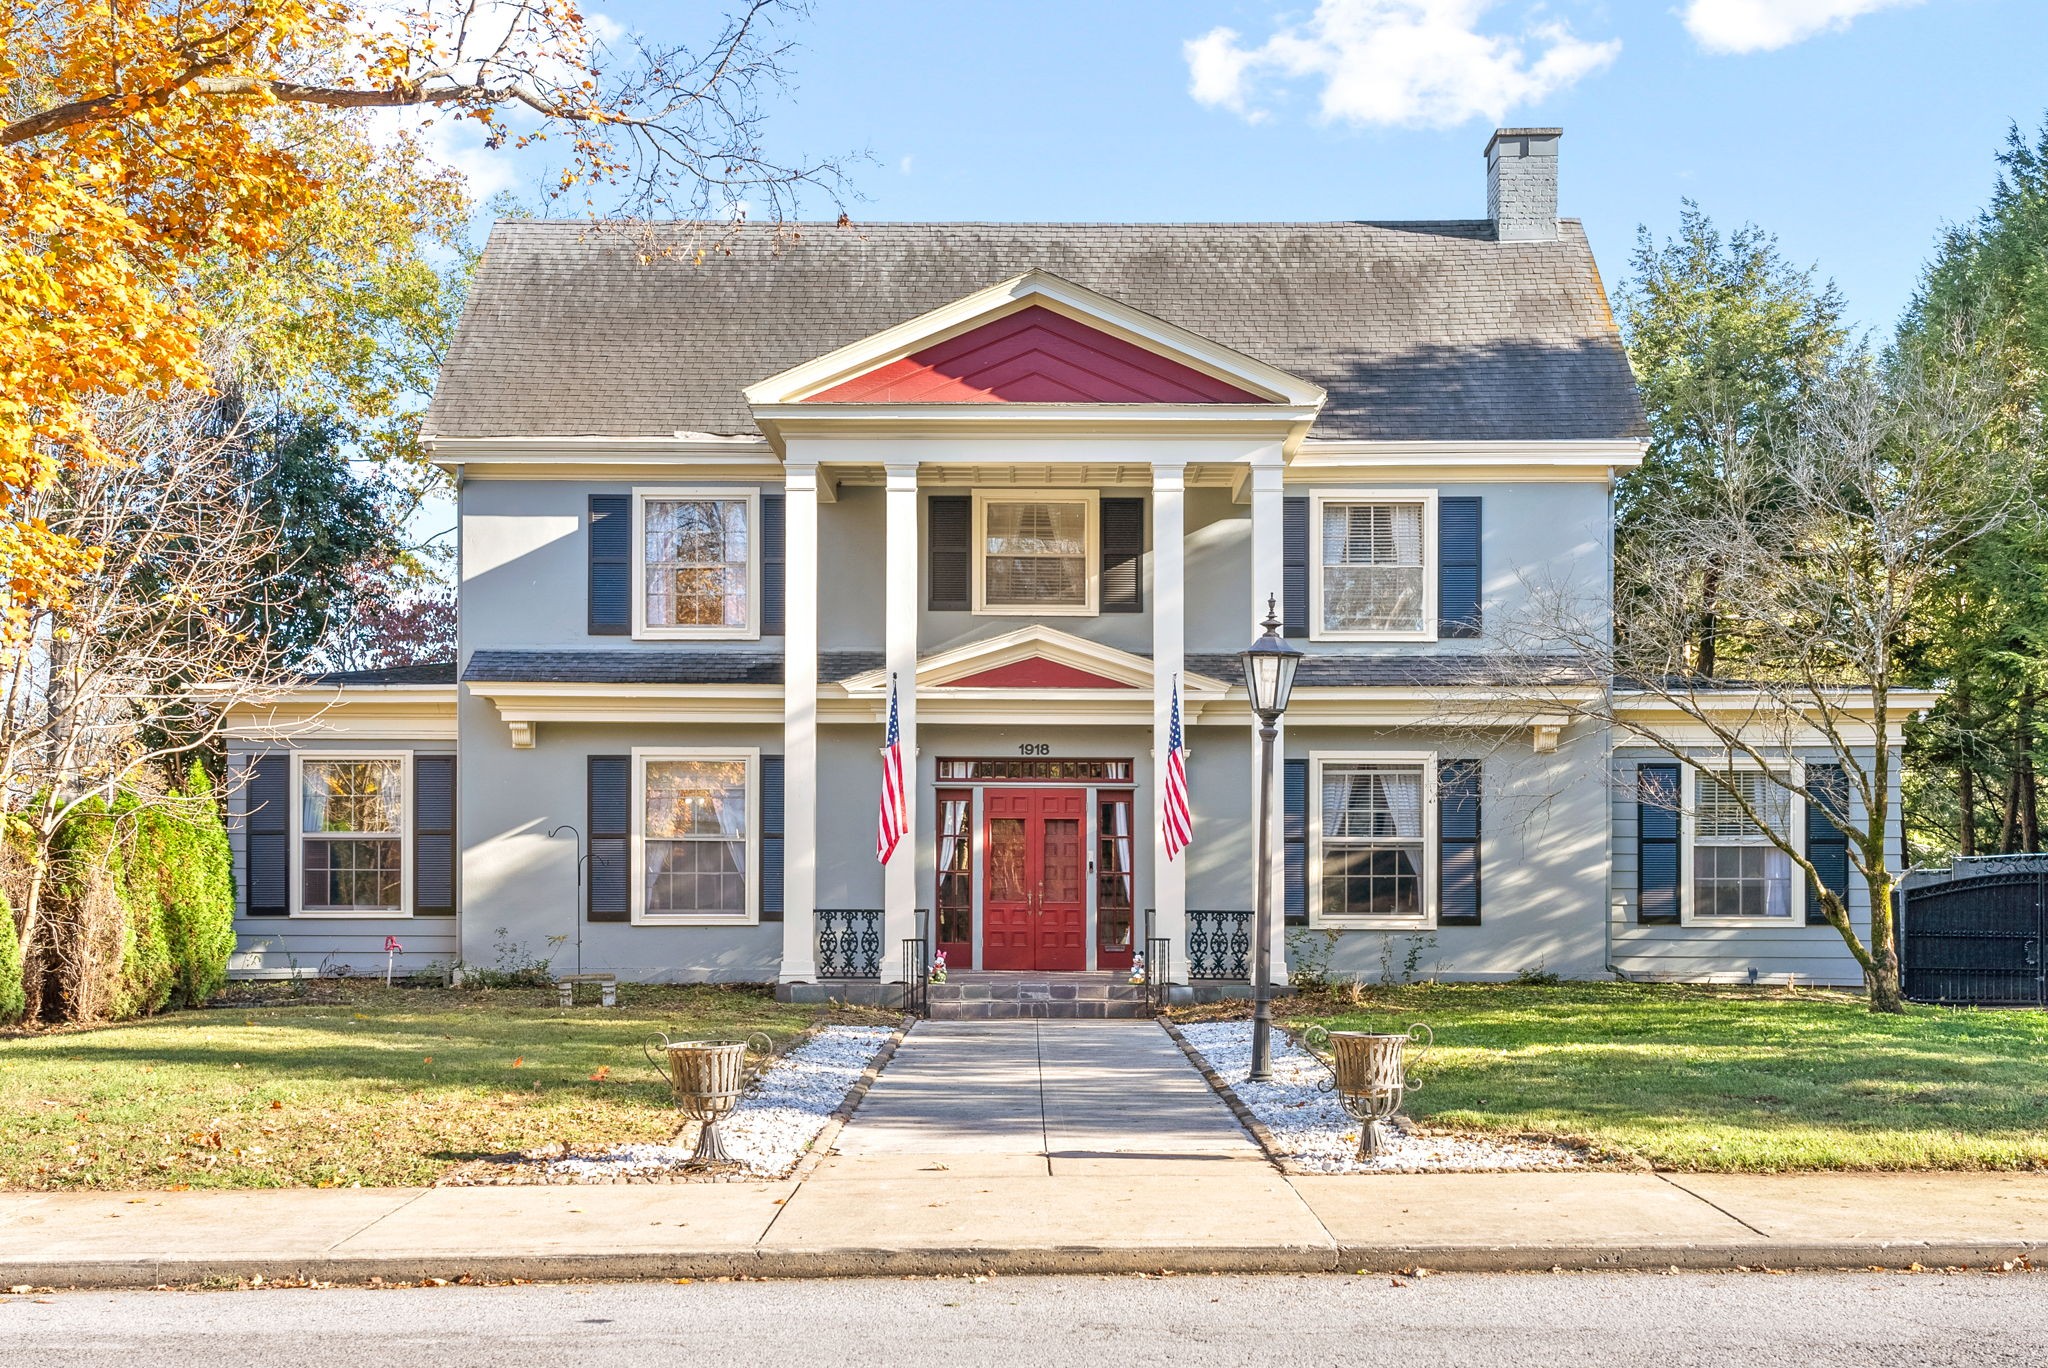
{"points": [[1029, 1147], [1056, 1093]]}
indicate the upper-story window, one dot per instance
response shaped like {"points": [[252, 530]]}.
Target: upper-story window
{"points": [[1373, 579], [698, 569], [1035, 553]]}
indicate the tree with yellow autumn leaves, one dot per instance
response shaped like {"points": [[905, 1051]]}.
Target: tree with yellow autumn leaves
{"points": [[219, 233]]}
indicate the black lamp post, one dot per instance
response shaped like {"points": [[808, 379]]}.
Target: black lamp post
{"points": [[1269, 678]]}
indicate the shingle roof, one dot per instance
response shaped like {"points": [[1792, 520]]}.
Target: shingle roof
{"points": [[433, 672], [654, 666], [1418, 331]]}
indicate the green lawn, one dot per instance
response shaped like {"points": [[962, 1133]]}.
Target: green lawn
{"points": [[1703, 1078], [360, 1085]]}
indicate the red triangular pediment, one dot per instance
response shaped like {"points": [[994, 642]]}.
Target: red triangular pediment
{"points": [[1035, 672], [1035, 356]]}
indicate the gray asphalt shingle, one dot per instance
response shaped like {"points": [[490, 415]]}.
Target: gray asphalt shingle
{"points": [[1419, 331]]}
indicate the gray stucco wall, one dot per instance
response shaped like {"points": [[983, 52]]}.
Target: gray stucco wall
{"points": [[1815, 954], [305, 945], [1543, 858], [519, 885]]}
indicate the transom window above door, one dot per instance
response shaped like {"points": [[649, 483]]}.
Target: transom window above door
{"points": [[697, 571], [1373, 580], [1035, 553]]}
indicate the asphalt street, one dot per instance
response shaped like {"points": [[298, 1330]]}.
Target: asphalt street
{"points": [[1476, 1321]]}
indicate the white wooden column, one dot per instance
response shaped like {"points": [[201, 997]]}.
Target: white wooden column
{"points": [[1169, 644], [1269, 568], [899, 595], [800, 725]]}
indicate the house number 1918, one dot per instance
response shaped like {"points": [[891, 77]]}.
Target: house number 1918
{"points": [[1034, 748]]}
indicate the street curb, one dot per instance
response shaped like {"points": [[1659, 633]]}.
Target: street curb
{"points": [[967, 1260]]}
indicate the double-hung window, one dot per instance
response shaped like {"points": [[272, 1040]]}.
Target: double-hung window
{"points": [[1372, 840], [697, 569], [351, 842], [1372, 578], [696, 829], [1035, 553], [1738, 875]]}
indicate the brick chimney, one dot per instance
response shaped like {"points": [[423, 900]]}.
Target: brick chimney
{"points": [[1521, 183]]}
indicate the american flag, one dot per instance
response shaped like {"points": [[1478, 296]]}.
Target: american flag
{"points": [[890, 829], [1176, 819]]}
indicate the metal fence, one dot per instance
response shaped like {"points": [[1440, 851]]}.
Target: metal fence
{"points": [[1974, 933]]}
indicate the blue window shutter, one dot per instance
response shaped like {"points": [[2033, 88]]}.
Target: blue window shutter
{"points": [[1121, 523], [1658, 830], [1457, 836], [433, 836], [611, 868], [1457, 567], [771, 838], [1294, 840], [1827, 845], [1294, 566], [774, 561], [949, 548], [611, 565], [267, 807]]}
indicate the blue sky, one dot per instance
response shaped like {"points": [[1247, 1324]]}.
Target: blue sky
{"points": [[1854, 129]]}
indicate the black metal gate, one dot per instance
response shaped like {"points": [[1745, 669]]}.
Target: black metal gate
{"points": [[1973, 934]]}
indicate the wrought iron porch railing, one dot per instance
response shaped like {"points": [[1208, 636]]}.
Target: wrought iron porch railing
{"points": [[1220, 946], [1158, 974], [849, 943], [917, 976]]}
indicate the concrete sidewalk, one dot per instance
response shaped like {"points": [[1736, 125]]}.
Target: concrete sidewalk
{"points": [[1029, 1147]]}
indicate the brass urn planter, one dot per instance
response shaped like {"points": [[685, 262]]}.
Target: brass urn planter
{"points": [[706, 1078], [1369, 1075]]}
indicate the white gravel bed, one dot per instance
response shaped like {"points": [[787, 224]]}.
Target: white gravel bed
{"points": [[1310, 1128], [776, 1119]]}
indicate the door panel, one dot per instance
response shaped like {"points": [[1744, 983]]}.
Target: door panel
{"points": [[1035, 903], [1006, 903]]}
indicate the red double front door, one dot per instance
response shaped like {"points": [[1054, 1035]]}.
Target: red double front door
{"points": [[1035, 901]]}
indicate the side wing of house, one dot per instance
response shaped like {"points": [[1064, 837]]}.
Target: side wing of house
{"points": [[343, 825]]}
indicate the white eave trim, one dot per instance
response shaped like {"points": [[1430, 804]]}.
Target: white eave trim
{"points": [[1615, 453]]}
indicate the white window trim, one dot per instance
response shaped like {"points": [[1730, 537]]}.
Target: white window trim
{"points": [[1795, 821], [297, 901], [751, 630], [638, 844], [1092, 552], [1428, 499], [1314, 821]]}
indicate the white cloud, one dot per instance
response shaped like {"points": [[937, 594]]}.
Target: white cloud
{"points": [[1400, 62], [1735, 26], [905, 164]]}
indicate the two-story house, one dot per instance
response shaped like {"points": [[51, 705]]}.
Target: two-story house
{"points": [[1043, 478]]}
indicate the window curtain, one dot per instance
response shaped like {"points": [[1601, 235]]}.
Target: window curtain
{"points": [[1372, 534], [1368, 804]]}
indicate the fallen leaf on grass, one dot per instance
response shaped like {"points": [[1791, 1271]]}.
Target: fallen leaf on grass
{"points": [[603, 1072], [517, 1062], [276, 1105]]}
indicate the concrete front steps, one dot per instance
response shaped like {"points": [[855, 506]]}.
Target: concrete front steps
{"points": [[983, 996]]}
